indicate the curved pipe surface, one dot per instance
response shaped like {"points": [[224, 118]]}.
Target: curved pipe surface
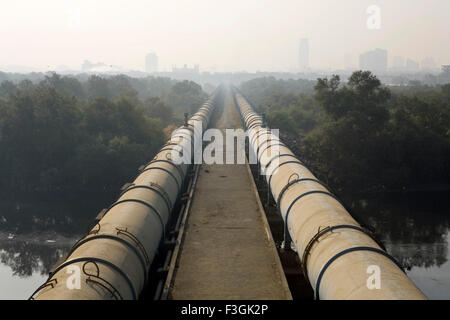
{"points": [[340, 259], [113, 260]]}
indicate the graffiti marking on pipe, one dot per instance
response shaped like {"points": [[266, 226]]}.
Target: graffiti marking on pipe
{"points": [[374, 280]]}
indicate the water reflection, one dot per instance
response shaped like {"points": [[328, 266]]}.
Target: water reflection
{"points": [[26, 257], [34, 235], [415, 229], [25, 261]]}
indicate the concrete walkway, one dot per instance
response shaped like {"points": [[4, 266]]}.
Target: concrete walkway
{"points": [[228, 251]]}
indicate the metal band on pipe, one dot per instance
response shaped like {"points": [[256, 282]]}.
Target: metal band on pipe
{"points": [[121, 240], [168, 143], [48, 283], [286, 187], [251, 117], [199, 114], [283, 155], [165, 170], [320, 233], [166, 201], [266, 141], [287, 236], [145, 204], [267, 147], [180, 171], [250, 114], [180, 132], [198, 118], [254, 125], [188, 128], [102, 261], [182, 135], [167, 148], [259, 132], [372, 249], [250, 121], [280, 165]]}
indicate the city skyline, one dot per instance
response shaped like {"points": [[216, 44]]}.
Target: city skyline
{"points": [[233, 36], [150, 65], [304, 54], [151, 62]]}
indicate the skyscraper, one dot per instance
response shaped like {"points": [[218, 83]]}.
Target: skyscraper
{"points": [[428, 64], [304, 55], [151, 63], [412, 65], [375, 60], [398, 62]]}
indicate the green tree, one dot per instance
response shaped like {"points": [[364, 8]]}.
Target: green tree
{"points": [[98, 87], [185, 96], [67, 85], [156, 108], [7, 88], [346, 147]]}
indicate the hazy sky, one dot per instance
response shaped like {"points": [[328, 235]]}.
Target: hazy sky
{"points": [[227, 35]]}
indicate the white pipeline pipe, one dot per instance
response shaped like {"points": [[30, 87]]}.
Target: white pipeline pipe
{"points": [[113, 260], [340, 258]]}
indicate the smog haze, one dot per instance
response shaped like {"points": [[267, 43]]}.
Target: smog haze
{"points": [[225, 36]]}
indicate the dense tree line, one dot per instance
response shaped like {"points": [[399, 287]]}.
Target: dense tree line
{"points": [[363, 136], [62, 137], [180, 96], [261, 90]]}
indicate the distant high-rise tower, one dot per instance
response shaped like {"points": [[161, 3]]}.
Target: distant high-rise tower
{"points": [[375, 60], [428, 64], [304, 55], [398, 62], [412, 65], [151, 63]]}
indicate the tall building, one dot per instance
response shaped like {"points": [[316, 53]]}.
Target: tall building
{"points": [[375, 60], [151, 63], [398, 62], [348, 62], [412, 65], [304, 55], [428, 64]]}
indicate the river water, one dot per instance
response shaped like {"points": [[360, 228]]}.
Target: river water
{"points": [[413, 229], [26, 259]]}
